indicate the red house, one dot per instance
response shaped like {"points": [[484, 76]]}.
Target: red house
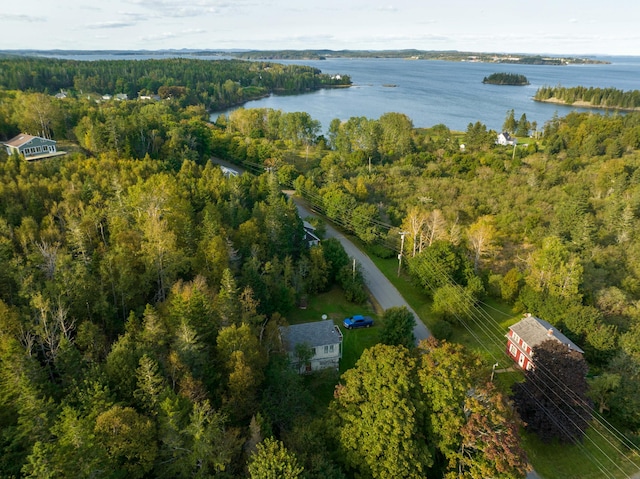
{"points": [[528, 333]]}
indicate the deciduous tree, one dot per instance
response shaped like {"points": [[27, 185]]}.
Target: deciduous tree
{"points": [[552, 401], [380, 415]]}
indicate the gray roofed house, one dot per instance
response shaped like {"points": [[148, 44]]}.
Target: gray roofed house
{"points": [[530, 332], [310, 234], [323, 338], [32, 147]]}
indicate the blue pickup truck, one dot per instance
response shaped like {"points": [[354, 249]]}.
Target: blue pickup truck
{"points": [[358, 321]]}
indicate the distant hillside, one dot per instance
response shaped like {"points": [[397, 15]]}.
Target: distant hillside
{"points": [[412, 54]]}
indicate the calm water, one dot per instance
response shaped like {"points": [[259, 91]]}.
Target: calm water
{"points": [[452, 93], [431, 92]]}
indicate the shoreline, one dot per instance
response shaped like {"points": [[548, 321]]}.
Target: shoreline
{"points": [[584, 104]]}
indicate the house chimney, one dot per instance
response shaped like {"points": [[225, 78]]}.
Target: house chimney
{"points": [[550, 332]]}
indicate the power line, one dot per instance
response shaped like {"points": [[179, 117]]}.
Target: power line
{"points": [[485, 326], [489, 328]]}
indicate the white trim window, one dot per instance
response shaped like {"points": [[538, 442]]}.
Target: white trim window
{"points": [[513, 350]]}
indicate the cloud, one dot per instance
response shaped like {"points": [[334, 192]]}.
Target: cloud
{"points": [[20, 17], [137, 17], [113, 24], [168, 35], [184, 9]]}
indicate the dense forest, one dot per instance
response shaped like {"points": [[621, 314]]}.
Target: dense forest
{"points": [[506, 79], [142, 290], [610, 98], [214, 84]]}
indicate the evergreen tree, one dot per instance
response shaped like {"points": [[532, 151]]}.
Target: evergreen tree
{"points": [[272, 460], [510, 125], [397, 327]]}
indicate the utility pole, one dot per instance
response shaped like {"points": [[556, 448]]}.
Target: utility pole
{"points": [[493, 371], [402, 233]]}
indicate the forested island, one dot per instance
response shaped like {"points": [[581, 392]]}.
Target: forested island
{"points": [[506, 79], [609, 98], [143, 291], [214, 84]]}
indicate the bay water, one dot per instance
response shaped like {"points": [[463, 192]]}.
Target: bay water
{"points": [[429, 92], [434, 92]]}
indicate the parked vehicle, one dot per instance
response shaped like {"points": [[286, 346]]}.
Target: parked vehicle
{"points": [[358, 321]]}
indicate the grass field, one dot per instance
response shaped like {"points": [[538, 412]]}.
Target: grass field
{"points": [[593, 459]]}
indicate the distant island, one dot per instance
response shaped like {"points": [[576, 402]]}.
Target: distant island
{"points": [[590, 97], [409, 54], [506, 79]]}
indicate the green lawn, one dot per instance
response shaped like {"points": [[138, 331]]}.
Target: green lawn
{"points": [[568, 461], [333, 304], [337, 308]]}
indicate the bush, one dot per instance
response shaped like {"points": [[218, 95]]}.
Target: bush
{"points": [[381, 251], [441, 329]]}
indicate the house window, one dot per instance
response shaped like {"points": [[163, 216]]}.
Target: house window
{"points": [[516, 338], [512, 350], [529, 365], [521, 360], [328, 349]]}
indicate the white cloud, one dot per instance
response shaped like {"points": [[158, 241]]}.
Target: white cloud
{"points": [[185, 9], [168, 35], [112, 24], [19, 17]]}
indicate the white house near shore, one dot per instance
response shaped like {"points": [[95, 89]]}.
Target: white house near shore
{"points": [[323, 338], [505, 138], [32, 147]]}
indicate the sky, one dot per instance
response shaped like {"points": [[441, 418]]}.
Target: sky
{"points": [[562, 27]]}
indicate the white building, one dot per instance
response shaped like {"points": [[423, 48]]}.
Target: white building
{"points": [[505, 138]]}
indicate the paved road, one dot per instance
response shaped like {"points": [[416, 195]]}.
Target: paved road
{"points": [[380, 287]]}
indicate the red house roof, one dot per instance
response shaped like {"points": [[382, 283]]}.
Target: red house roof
{"points": [[535, 331]]}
